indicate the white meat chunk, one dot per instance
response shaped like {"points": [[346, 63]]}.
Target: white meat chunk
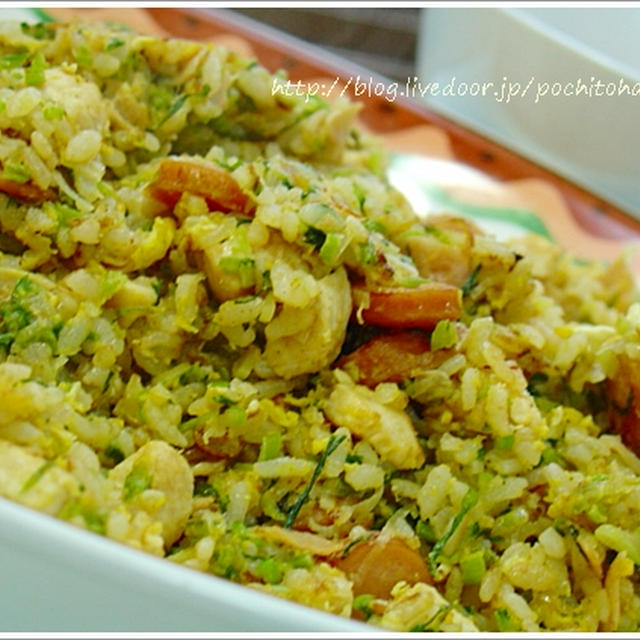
{"points": [[388, 429], [306, 339], [157, 467]]}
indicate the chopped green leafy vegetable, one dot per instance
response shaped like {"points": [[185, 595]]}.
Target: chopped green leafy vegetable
{"points": [[469, 501], [332, 445], [35, 477]]}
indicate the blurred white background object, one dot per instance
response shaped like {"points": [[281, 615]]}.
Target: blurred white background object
{"points": [[559, 85]]}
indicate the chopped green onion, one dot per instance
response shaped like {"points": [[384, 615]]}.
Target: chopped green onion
{"points": [[361, 196], [444, 335], [619, 540], [16, 172], [596, 514], [40, 30], [411, 283], [504, 621], [332, 247], [313, 103], [113, 281], [362, 603], [269, 570], [504, 443], [52, 111], [114, 43], [23, 288], [36, 332], [472, 567], [34, 75], [433, 623], [316, 212], [202, 488], [368, 253], [425, 531], [374, 225], [83, 56], [224, 384], [138, 480], [550, 454], [439, 234], [242, 267], [178, 104], [13, 60], [270, 447], [93, 520], [234, 417], [6, 340], [192, 423], [62, 212]]}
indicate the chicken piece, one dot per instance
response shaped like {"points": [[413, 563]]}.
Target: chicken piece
{"points": [[393, 357], [23, 398], [304, 340], [33, 481], [222, 252], [157, 466], [224, 284], [387, 429], [322, 586], [81, 99], [134, 294], [152, 245], [444, 254], [421, 604], [303, 540]]}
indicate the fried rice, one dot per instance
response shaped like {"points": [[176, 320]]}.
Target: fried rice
{"points": [[227, 341]]}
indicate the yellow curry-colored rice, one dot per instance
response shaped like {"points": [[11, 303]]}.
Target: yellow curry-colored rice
{"points": [[190, 363]]}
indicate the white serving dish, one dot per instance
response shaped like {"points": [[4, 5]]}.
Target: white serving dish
{"points": [[58, 578], [592, 140]]}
